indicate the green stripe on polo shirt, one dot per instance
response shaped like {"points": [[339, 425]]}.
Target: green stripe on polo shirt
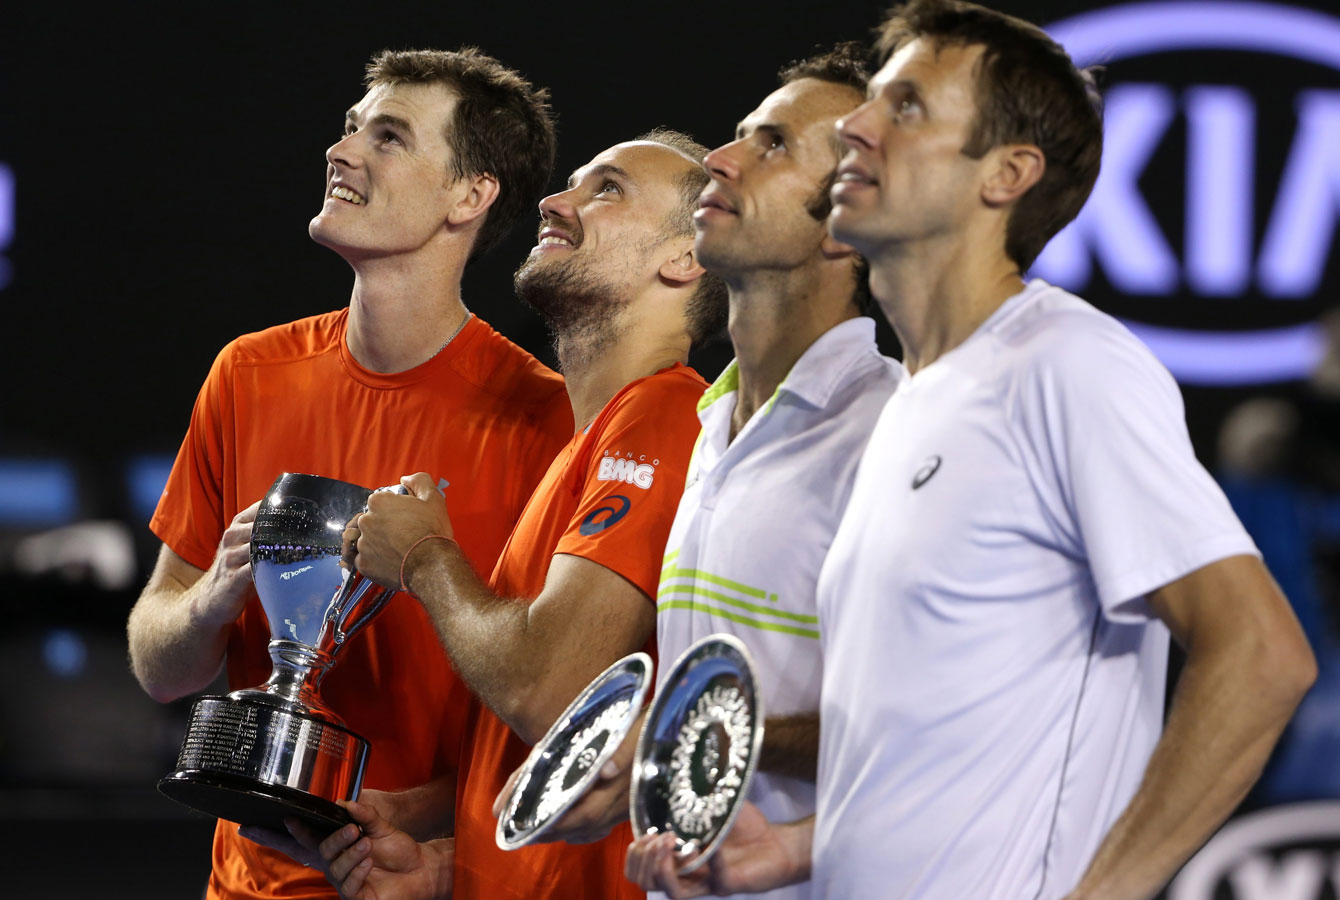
{"points": [[672, 572], [742, 620], [693, 590]]}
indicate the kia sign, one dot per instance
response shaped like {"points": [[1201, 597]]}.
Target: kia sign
{"points": [[1283, 853], [1236, 246]]}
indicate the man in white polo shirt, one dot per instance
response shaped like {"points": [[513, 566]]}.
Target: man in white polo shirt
{"points": [[1027, 525], [783, 427]]}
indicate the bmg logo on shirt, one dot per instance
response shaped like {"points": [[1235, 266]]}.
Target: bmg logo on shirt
{"points": [[625, 468]]}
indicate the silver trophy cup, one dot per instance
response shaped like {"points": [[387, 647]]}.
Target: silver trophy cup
{"points": [[260, 754]]}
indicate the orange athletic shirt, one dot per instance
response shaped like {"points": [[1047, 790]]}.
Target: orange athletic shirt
{"points": [[609, 497], [482, 414]]}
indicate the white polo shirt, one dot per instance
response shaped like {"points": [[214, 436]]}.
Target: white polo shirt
{"points": [[756, 519], [993, 681]]}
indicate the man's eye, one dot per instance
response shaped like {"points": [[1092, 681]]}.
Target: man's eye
{"points": [[776, 142], [390, 137], [610, 187]]}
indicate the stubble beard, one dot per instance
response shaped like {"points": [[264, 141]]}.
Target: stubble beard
{"points": [[580, 308]]}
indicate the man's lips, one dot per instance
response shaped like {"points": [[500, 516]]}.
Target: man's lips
{"points": [[713, 200], [342, 191], [853, 173], [551, 237], [711, 204]]}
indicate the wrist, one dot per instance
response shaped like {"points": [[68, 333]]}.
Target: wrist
{"points": [[207, 611], [441, 859], [419, 552], [798, 839]]}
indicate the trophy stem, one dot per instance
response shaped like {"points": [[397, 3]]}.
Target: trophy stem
{"points": [[297, 673]]}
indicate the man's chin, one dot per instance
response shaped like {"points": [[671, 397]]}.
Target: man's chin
{"points": [[854, 229]]}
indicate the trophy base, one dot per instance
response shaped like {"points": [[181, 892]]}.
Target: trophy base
{"points": [[247, 802], [252, 761]]}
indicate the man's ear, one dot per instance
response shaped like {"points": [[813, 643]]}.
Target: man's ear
{"points": [[683, 268], [472, 198], [1015, 169]]}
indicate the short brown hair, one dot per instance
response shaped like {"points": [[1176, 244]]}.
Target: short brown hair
{"points": [[843, 63], [1028, 92], [707, 309], [502, 126]]}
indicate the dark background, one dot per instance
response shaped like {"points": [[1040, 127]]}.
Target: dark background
{"points": [[167, 159]]}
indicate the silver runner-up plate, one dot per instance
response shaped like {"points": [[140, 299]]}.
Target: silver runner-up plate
{"points": [[563, 765], [698, 749]]}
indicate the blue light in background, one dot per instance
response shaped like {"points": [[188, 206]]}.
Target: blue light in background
{"points": [[6, 220], [1235, 358], [37, 493], [145, 477], [65, 653]]}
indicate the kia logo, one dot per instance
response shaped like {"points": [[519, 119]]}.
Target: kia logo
{"points": [[1282, 853], [1117, 229]]}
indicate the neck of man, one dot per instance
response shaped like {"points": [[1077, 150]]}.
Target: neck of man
{"points": [[775, 316], [599, 360], [936, 292], [404, 309]]}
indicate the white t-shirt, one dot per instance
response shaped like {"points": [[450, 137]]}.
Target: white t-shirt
{"points": [[993, 681], [756, 518]]}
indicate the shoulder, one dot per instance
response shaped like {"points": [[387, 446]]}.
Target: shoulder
{"points": [[1055, 336], [502, 368], [669, 391], [295, 340]]}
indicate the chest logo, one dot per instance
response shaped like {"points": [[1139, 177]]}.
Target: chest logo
{"points": [[928, 468], [604, 516], [639, 472]]}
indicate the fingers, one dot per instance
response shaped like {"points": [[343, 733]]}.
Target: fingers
{"points": [[345, 864], [339, 841], [651, 863], [365, 816], [353, 883], [247, 515], [421, 485], [349, 542]]}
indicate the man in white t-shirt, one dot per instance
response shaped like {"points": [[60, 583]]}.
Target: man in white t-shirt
{"points": [[783, 429], [1028, 524]]}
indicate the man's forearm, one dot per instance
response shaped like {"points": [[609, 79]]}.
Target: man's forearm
{"points": [[173, 651], [791, 746], [1226, 717], [484, 635]]}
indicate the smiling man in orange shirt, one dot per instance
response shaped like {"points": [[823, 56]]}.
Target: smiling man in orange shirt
{"points": [[443, 154]]}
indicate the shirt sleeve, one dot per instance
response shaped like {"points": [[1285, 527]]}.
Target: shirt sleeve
{"points": [[633, 478], [1104, 422], [189, 518]]}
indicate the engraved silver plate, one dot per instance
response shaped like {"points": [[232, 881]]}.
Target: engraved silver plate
{"points": [[698, 749], [568, 758]]}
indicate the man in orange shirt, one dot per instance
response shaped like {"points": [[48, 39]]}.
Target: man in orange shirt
{"points": [[439, 159], [616, 275]]}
